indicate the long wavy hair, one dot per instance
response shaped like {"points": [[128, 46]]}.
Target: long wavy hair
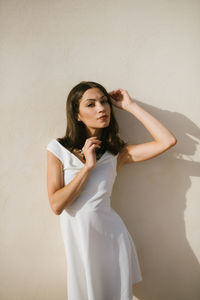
{"points": [[75, 135]]}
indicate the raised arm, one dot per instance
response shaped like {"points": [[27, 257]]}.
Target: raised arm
{"points": [[163, 138]]}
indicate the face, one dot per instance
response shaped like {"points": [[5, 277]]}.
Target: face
{"points": [[93, 105]]}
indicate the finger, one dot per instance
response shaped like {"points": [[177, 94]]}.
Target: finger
{"points": [[92, 139], [113, 101], [93, 142], [114, 91], [97, 146], [94, 146]]}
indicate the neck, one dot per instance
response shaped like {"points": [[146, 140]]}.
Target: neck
{"points": [[94, 132]]}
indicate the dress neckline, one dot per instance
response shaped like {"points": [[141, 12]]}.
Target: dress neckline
{"points": [[77, 156]]}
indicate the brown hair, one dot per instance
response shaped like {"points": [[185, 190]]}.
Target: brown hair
{"points": [[75, 135]]}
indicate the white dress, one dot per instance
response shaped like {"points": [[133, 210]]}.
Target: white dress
{"points": [[102, 262]]}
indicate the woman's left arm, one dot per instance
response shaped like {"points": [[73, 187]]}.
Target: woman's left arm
{"points": [[163, 138]]}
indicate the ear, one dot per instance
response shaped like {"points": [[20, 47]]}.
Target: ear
{"points": [[78, 118]]}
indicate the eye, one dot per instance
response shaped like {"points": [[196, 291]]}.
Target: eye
{"points": [[90, 104], [103, 101]]}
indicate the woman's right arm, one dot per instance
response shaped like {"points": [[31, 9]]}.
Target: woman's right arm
{"points": [[61, 197]]}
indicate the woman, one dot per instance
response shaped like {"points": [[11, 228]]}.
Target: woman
{"points": [[102, 262]]}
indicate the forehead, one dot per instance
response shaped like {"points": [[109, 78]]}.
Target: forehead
{"points": [[93, 93]]}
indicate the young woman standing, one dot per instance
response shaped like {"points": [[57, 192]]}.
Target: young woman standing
{"points": [[102, 262]]}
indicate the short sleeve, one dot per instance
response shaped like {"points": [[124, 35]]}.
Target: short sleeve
{"points": [[54, 147]]}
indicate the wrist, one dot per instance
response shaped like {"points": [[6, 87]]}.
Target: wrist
{"points": [[88, 168], [130, 107]]}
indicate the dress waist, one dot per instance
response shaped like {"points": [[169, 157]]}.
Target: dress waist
{"points": [[103, 206]]}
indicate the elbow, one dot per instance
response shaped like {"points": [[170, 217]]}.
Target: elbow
{"points": [[55, 209], [57, 212], [171, 143]]}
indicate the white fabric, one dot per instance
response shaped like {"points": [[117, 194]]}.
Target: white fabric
{"points": [[102, 262]]}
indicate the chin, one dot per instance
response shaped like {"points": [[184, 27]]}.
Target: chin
{"points": [[106, 125]]}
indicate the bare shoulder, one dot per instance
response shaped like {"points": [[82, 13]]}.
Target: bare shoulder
{"points": [[54, 174]]}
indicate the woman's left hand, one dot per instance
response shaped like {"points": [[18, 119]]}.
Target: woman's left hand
{"points": [[120, 98]]}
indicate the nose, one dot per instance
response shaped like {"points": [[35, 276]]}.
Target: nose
{"points": [[100, 106]]}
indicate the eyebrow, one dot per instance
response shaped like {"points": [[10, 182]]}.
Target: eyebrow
{"points": [[95, 99]]}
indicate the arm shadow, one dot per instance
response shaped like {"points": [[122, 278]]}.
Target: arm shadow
{"points": [[150, 196]]}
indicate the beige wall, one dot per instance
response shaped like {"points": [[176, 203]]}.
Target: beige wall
{"points": [[149, 48]]}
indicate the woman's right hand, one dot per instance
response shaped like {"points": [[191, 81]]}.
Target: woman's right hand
{"points": [[89, 151]]}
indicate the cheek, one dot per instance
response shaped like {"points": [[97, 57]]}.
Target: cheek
{"points": [[87, 114]]}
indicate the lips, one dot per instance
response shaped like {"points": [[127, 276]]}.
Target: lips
{"points": [[103, 117]]}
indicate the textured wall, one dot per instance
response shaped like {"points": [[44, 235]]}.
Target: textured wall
{"points": [[149, 48]]}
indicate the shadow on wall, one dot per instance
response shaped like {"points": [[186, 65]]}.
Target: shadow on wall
{"points": [[154, 213]]}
